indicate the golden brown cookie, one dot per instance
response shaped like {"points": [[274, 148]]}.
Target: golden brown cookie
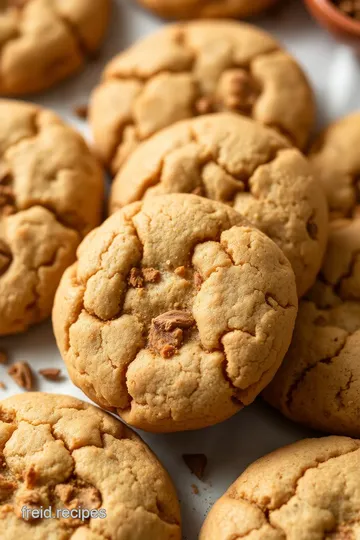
{"points": [[319, 381], [306, 491], [51, 196], [62, 455], [176, 314], [44, 41], [190, 69], [336, 160], [236, 161], [190, 9]]}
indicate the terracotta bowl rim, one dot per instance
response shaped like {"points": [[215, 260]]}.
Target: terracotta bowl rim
{"points": [[332, 12]]}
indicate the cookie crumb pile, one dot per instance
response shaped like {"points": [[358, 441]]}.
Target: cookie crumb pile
{"points": [[195, 343]]}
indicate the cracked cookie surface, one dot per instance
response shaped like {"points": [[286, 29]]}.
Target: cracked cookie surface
{"points": [[192, 348], [189, 9], [190, 69], [63, 453], [238, 162], [306, 491], [54, 37], [318, 383], [336, 161], [51, 196]]}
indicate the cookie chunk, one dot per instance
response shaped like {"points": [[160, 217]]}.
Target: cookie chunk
{"points": [[319, 381], [196, 68], [305, 491], [62, 456], [190, 9], [192, 348], [44, 41], [51, 196], [233, 160], [336, 159]]}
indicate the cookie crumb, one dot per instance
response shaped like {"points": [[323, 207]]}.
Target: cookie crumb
{"points": [[198, 191], [3, 357], [21, 373], [151, 275], [180, 271], [6, 487], [136, 279], [31, 500], [2, 386], [81, 111], [196, 463], [195, 489], [52, 374]]}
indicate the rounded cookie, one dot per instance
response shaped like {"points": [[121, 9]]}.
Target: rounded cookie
{"points": [[61, 455], [189, 69], [319, 381], [176, 314], [336, 161], [51, 196], [306, 491], [189, 9], [53, 37], [236, 161]]}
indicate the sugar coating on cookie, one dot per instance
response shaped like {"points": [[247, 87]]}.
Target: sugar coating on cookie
{"points": [[51, 196], [186, 9], [176, 314], [60, 453], [233, 160], [335, 157], [305, 491], [44, 41], [319, 382], [186, 70]]}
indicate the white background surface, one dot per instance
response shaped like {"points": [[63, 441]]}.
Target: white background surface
{"points": [[335, 74]]}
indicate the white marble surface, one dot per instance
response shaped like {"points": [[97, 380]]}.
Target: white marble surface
{"points": [[230, 447]]}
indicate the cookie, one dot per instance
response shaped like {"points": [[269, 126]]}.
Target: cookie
{"points": [[44, 41], [319, 381], [236, 161], [62, 455], [51, 196], [336, 160], [176, 314], [305, 491], [186, 70], [190, 9]]}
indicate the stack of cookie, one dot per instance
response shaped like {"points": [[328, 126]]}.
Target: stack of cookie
{"points": [[217, 277]]}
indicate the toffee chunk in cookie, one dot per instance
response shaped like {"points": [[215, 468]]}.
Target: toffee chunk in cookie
{"points": [[186, 70], [62, 455], [189, 9], [51, 196], [319, 381], [233, 160], [44, 41], [176, 314], [335, 157], [305, 491]]}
